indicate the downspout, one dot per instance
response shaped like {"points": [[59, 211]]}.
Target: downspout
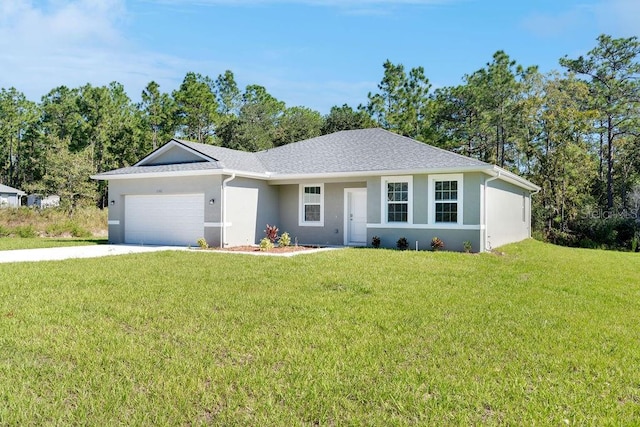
{"points": [[223, 209], [486, 229]]}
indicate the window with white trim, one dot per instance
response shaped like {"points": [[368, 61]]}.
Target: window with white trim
{"points": [[446, 195], [397, 199], [445, 199], [311, 204]]}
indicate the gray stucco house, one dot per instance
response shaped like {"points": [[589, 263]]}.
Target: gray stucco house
{"points": [[337, 189], [10, 196]]}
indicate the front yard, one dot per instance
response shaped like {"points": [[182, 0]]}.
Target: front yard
{"points": [[538, 335]]}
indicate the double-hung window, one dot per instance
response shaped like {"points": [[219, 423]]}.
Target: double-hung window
{"points": [[397, 199], [445, 201], [446, 194], [311, 205]]}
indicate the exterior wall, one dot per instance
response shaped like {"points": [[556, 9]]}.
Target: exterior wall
{"points": [[422, 230], [472, 198], [209, 185], [332, 233], [507, 220], [9, 200], [453, 238], [251, 205], [374, 216]]}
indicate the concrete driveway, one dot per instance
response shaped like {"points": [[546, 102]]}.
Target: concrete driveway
{"points": [[54, 254]]}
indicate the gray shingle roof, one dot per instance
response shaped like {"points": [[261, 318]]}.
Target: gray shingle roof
{"points": [[162, 168], [364, 150], [360, 150], [227, 158]]}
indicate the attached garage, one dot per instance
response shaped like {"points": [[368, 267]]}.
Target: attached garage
{"points": [[166, 219]]}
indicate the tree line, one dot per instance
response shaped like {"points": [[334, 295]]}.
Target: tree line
{"points": [[574, 132]]}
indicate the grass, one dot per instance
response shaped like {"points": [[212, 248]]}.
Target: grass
{"points": [[52, 222], [9, 243], [541, 335]]}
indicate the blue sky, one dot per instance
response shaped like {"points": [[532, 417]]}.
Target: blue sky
{"points": [[316, 53]]}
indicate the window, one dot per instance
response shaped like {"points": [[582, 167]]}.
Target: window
{"points": [[445, 199], [312, 205], [397, 199], [446, 194]]}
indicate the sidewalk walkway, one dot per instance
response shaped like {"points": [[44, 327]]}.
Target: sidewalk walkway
{"points": [[67, 252]]}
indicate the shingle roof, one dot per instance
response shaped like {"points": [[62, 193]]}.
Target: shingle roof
{"points": [[360, 150], [364, 150], [228, 158], [7, 189], [162, 168]]}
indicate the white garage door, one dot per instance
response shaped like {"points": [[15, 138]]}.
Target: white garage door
{"points": [[176, 219]]}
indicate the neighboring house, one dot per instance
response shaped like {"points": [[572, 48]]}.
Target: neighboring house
{"points": [[337, 189], [10, 196], [40, 201]]}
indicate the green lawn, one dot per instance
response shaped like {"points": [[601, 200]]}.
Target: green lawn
{"points": [[541, 335], [8, 243]]}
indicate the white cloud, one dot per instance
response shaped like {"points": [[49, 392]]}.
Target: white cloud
{"points": [[48, 43]]}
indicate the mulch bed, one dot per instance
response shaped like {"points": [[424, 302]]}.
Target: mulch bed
{"points": [[276, 250]]}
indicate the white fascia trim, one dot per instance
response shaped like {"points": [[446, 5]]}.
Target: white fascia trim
{"points": [[431, 211], [182, 173], [301, 221], [428, 226], [512, 178], [173, 143], [281, 178]]}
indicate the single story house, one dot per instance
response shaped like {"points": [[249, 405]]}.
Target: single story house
{"points": [[338, 189], [10, 196], [42, 202]]}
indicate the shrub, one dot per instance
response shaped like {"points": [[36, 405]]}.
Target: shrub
{"points": [[4, 231], [285, 239], [202, 242], [635, 242], [402, 244], [266, 244], [466, 245], [77, 231], [271, 233], [437, 244], [375, 242], [25, 231]]}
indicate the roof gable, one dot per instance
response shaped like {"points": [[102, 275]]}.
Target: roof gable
{"points": [[173, 153]]}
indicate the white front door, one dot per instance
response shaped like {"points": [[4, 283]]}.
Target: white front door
{"points": [[355, 202]]}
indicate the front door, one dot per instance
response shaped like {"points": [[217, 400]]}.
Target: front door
{"points": [[355, 216]]}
